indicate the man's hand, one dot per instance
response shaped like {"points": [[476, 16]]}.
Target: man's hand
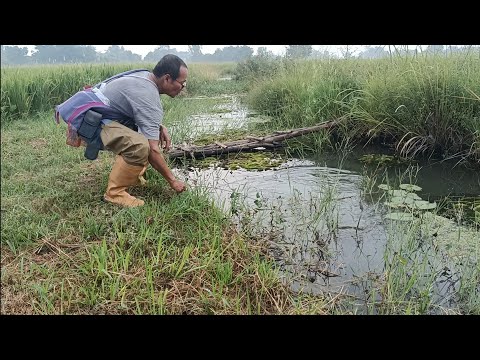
{"points": [[156, 159], [165, 141], [178, 185]]}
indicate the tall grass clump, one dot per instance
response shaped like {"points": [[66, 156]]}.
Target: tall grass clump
{"points": [[257, 67], [426, 105], [29, 90], [422, 105], [26, 91], [304, 93]]}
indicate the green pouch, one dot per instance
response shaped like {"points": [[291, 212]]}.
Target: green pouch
{"points": [[91, 122]]}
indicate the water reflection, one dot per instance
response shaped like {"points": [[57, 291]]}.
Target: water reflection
{"points": [[324, 233], [326, 236]]}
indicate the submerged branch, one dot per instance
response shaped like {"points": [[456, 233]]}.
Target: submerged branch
{"points": [[271, 141]]}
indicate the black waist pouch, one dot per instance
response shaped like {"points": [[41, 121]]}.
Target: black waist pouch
{"points": [[90, 131]]}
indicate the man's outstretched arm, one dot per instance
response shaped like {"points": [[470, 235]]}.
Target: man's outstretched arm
{"points": [[156, 159]]}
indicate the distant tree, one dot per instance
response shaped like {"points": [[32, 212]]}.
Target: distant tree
{"points": [[195, 52], [232, 53], [117, 53], [79, 53], [451, 49], [264, 53], [454, 49], [298, 51], [322, 54], [434, 49], [51, 54], [348, 51], [159, 52], [14, 55], [46, 54], [373, 52]]}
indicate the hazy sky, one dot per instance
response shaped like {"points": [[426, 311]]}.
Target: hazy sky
{"points": [[206, 49], [210, 49]]}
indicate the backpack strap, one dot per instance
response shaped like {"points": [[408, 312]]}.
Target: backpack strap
{"points": [[118, 76]]}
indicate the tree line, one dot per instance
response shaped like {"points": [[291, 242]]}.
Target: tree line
{"points": [[61, 54]]}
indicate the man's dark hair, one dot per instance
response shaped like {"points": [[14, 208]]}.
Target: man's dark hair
{"points": [[169, 64]]}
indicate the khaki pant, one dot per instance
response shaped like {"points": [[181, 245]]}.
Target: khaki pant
{"points": [[131, 145]]}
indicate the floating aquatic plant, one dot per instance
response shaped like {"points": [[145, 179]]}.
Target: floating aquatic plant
{"points": [[384, 187], [405, 198], [410, 187]]}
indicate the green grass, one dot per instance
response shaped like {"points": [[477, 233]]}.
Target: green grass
{"points": [[423, 106], [28, 90], [64, 251]]}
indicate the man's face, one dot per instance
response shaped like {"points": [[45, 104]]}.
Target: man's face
{"points": [[177, 85]]}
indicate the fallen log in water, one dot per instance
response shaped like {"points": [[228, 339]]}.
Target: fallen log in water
{"points": [[271, 141]]}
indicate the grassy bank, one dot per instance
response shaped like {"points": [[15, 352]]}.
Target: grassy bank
{"points": [[66, 252], [421, 106]]}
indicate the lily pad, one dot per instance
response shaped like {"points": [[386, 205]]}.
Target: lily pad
{"points": [[403, 200], [410, 187], [400, 216], [424, 205], [395, 204], [399, 193], [413, 196], [384, 187]]}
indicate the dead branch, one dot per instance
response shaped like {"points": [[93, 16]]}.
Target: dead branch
{"points": [[250, 143]]}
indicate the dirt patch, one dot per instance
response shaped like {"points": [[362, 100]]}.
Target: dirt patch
{"points": [[19, 275], [39, 143], [15, 302], [96, 165], [89, 180]]}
